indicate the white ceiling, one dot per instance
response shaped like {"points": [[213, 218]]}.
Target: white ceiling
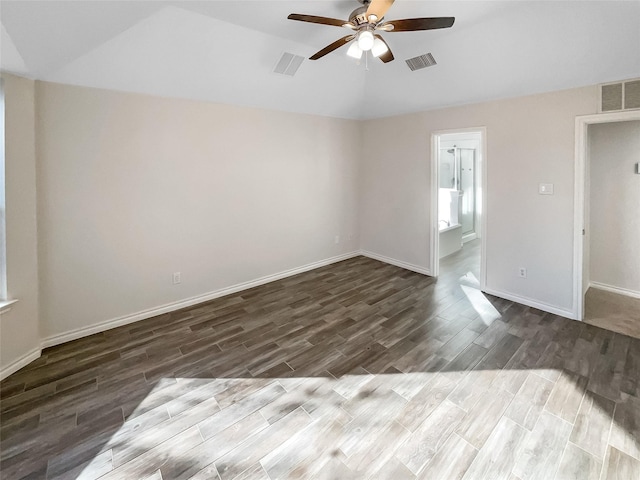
{"points": [[225, 51]]}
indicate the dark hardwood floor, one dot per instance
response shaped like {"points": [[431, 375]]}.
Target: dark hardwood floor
{"points": [[355, 370]]}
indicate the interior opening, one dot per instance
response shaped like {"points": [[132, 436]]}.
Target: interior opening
{"points": [[611, 278], [458, 191]]}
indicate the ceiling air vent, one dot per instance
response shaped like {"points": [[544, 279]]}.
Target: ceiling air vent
{"points": [[288, 64], [422, 61], [619, 96]]}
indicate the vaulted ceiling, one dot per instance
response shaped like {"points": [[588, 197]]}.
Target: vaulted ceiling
{"points": [[225, 51]]}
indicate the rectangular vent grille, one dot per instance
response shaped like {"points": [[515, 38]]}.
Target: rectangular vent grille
{"points": [[288, 64], [422, 61], [620, 96], [632, 94], [611, 97]]}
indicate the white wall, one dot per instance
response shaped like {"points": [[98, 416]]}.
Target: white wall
{"points": [[530, 140], [134, 187], [19, 327], [614, 150]]}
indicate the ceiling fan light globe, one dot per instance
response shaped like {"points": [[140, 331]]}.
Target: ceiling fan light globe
{"points": [[379, 48], [355, 51], [365, 40]]}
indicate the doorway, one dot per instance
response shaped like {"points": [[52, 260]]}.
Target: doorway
{"points": [[607, 232], [458, 176], [458, 201]]}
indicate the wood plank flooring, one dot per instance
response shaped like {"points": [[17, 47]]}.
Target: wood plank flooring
{"points": [[354, 370], [613, 312]]}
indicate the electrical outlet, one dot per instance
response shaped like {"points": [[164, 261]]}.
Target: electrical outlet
{"points": [[545, 189], [176, 278], [336, 239], [522, 272]]}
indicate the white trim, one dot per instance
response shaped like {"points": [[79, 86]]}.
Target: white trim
{"points": [[397, 263], [612, 289], [581, 151], [434, 226], [482, 225], [563, 312], [469, 237], [6, 305], [484, 185], [23, 361], [170, 307]]}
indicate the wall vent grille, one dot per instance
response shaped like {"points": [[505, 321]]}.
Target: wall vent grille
{"points": [[421, 61], [632, 94], [618, 96], [288, 64]]}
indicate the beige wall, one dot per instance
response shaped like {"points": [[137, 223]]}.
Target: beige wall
{"points": [[19, 328], [530, 140], [614, 205], [134, 187]]}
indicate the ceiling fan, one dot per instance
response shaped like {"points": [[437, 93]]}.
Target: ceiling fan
{"points": [[364, 22]]}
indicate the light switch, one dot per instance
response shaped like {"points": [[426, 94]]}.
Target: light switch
{"points": [[545, 189]]}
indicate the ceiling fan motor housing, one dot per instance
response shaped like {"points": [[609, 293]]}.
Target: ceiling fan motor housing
{"points": [[359, 16]]}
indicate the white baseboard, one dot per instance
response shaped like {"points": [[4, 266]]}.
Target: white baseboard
{"points": [[170, 307], [469, 237], [612, 289], [397, 263], [23, 361], [532, 303]]}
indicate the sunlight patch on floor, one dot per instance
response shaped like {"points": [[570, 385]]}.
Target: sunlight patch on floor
{"points": [[357, 411], [481, 305], [470, 280]]}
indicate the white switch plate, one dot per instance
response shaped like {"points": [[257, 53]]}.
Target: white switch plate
{"points": [[545, 189]]}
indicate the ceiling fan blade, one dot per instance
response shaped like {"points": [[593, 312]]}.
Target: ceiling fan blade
{"points": [[332, 47], [413, 24], [387, 56], [321, 20], [378, 8]]}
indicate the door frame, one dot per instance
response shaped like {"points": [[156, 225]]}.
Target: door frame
{"points": [[482, 214], [579, 199]]}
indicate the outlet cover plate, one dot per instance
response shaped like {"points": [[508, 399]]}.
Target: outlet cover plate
{"points": [[545, 189]]}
